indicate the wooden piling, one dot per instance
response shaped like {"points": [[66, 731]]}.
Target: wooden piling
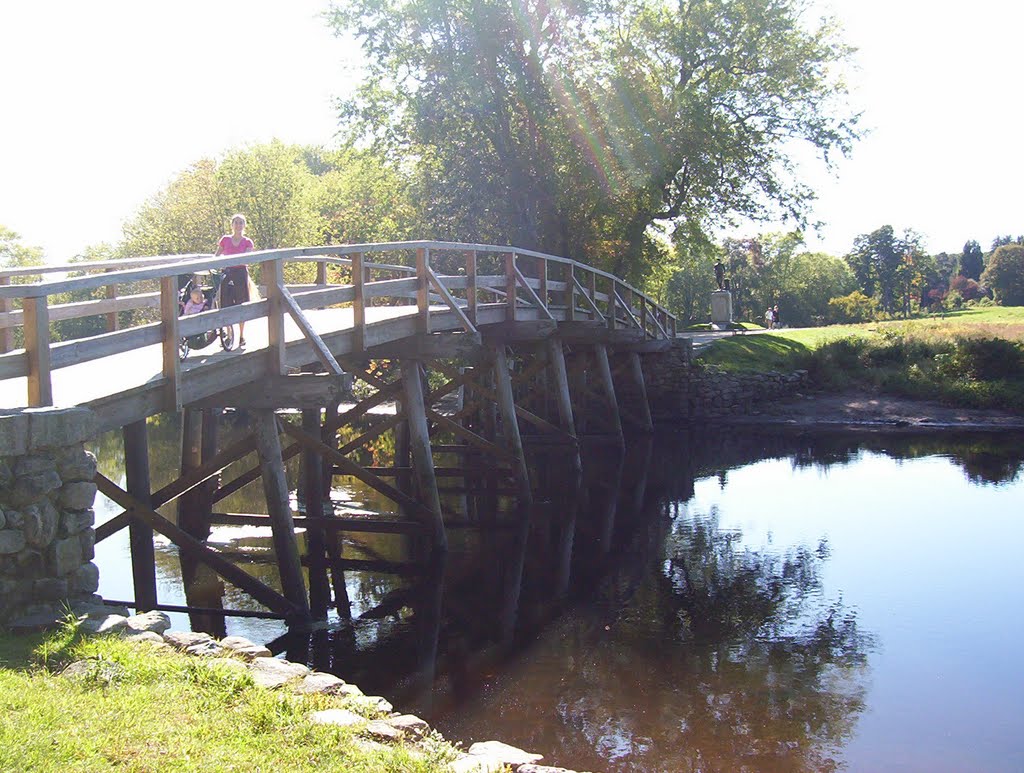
{"points": [[510, 424], [637, 371], [140, 534], [275, 488], [419, 446], [604, 372]]}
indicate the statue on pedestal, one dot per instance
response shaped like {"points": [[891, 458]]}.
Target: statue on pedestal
{"points": [[720, 274]]}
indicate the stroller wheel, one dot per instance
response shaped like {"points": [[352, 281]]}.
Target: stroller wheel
{"points": [[182, 348], [227, 337]]}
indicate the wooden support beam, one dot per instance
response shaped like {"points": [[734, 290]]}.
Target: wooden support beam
{"points": [[533, 296], [316, 538], [510, 286], [556, 359], [196, 549], [608, 386], [319, 347], [470, 437], [507, 408], [647, 423], [140, 534], [333, 523], [419, 445], [275, 487], [356, 471], [447, 297]]}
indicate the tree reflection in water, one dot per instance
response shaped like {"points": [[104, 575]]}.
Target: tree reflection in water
{"points": [[765, 674]]}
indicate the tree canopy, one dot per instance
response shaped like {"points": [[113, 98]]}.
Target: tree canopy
{"points": [[1004, 274], [573, 128]]}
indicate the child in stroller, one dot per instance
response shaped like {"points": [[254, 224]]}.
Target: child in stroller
{"points": [[194, 298]]}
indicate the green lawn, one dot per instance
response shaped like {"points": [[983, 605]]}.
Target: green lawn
{"points": [[973, 358], [140, 709]]}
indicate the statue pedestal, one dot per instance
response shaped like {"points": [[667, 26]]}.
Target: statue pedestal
{"points": [[721, 309]]}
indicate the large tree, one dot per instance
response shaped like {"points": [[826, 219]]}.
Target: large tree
{"points": [[888, 267], [572, 127], [972, 260], [1004, 274]]}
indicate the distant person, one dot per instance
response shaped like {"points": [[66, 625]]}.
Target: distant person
{"points": [[234, 289], [196, 301], [775, 316], [769, 318], [720, 274]]}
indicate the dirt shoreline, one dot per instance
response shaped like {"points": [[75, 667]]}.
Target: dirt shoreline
{"points": [[865, 410]]}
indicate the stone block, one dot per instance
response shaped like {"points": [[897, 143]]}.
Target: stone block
{"points": [[509, 755], [182, 640], [31, 488], [75, 522], [74, 463], [78, 495], [54, 427], [319, 682], [3, 519], [337, 717], [50, 589], [11, 541], [14, 432], [87, 540], [271, 672], [153, 621], [84, 580], [40, 524], [65, 556], [6, 474]]}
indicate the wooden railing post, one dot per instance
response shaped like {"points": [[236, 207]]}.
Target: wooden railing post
{"points": [[37, 347], [542, 274], [272, 273], [359, 304], [6, 332], [613, 304], [471, 287], [111, 292], [422, 291], [510, 286], [169, 319], [570, 292], [321, 272], [592, 284]]}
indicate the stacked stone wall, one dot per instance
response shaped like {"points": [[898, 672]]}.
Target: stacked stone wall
{"points": [[680, 389], [46, 510]]}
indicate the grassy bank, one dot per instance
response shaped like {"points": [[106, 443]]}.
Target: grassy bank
{"points": [[142, 709], [972, 358]]}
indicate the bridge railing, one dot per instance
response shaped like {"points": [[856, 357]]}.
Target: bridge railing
{"points": [[464, 279]]}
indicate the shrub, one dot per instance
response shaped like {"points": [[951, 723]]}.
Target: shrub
{"points": [[1004, 274], [855, 307]]}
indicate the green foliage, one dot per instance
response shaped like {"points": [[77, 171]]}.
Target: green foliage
{"points": [[573, 128], [14, 254], [889, 268], [972, 260], [855, 307], [291, 195], [1004, 274]]}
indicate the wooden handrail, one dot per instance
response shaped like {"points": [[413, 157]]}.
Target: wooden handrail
{"points": [[461, 294]]}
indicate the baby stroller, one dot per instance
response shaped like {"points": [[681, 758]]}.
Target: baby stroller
{"points": [[202, 340]]}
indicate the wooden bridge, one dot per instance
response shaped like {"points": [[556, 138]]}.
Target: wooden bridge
{"points": [[481, 348]]}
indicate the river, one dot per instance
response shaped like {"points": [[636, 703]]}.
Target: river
{"points": [[713, 599]]}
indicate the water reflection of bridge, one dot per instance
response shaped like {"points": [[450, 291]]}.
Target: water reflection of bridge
{"points": [[483, 350]]}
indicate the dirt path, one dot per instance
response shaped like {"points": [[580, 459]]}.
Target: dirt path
{"points": [[864, 409]]}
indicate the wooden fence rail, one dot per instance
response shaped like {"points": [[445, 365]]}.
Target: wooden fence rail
{"points": [[423, 286]]}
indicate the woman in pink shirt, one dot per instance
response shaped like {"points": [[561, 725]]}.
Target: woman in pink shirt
{"points": [[234, 288]]}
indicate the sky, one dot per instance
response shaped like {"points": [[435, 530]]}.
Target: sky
{"points": [[104, 102]]}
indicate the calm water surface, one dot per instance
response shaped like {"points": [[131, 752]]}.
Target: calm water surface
{"points": [[738, 601]]}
